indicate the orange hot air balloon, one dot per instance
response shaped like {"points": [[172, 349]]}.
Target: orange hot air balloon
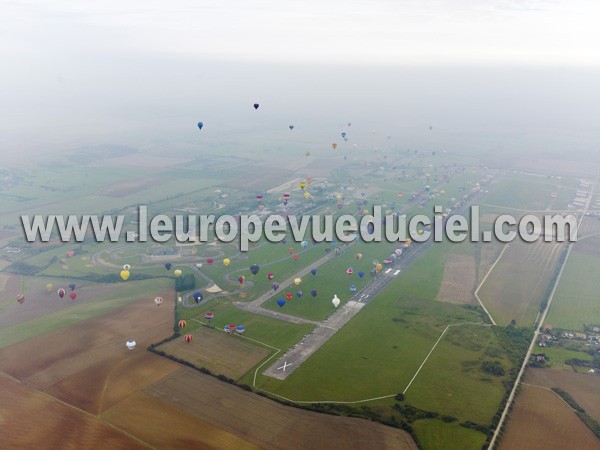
{"points": [[182, 324], [334, 145], [187, 338]]}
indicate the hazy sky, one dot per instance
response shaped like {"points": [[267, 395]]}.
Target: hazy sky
{"points": [[141, 72], [381, 31]]}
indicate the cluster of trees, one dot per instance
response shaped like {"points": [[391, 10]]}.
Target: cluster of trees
{"points": [[186, 282], [493, 368]]}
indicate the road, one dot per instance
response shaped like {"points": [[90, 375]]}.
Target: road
{"points": [[538, 327]]}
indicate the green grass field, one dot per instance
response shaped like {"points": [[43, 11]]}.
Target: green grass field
{"points": [[438, 435], [576, 300]]}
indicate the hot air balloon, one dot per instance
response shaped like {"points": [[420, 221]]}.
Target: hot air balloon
{"points": [[275, 285], [259, 197], [209, 261], [231, 327], [182, 324], [20, 298], [256, 105], [378, 267], [209, 316], [179, 299], [358, 256], [72, 286], [297, 281], [226, 261], [281, 302], [349, 271], [313, 271], [124, 274], [187, 338], [158, 300], [126, 266], [302, 185], [361, 274], [303, 244], [177, 273], [270, 275], [291, 127], [200, 125], [295, 256], [288, 296], [306, 153], [313, 293], [334, 145], [168, 266], [353, 288], [343, 134], [307, 195], [240, 329], [254, 268], [49, 287], [198, 296], [73, 295], [61, 293], [298, 294], [130, 344], [241, 279], [335, 301]]}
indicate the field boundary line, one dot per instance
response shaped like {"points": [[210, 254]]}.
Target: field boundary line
{"points": [[551, 390], [379, 397], [476, 293]]}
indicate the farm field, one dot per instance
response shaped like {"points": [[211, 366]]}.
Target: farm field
{"points": [[438, 435], [514, 290], [542, 420], [269, 424], [583, 387], [576, 300]]}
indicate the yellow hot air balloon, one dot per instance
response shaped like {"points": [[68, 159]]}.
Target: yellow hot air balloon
{"points": [[297, 281], [177, 273], [302, 185], [339, 197], [358, 255], [125, 274], [378, 267], [408, 241], [420, 232], [307, 195], [226, 261], [334, 145], [49, 287]]}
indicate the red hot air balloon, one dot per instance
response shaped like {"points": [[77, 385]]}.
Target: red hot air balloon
{"points": [[295, 256], [182, 324], [289, 296], [73, 295], [187, 338]]}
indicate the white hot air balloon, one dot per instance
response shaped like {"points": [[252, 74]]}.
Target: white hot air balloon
{"points": [[335, 301], [130, 344]]}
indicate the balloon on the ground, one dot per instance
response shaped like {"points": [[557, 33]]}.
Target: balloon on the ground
{"points": [[198, 296], [240, 329], [275, 285], [177, 273], [209, 316], [353, 288], [313, 271], [335, 301], [349, 271], [130, 344]]}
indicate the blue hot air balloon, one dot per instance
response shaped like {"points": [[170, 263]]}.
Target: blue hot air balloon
{"points": [[275, 285], [353, 288], [200, 125], [254, 268], [256, 105], [313, 293], [281, 302], [72, 286], [361, 274], [313, 271], [198, 296], [168, 266], [299, 294]]}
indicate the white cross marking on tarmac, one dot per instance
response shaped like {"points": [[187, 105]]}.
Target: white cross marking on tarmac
{"points": [[285, 364]]}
